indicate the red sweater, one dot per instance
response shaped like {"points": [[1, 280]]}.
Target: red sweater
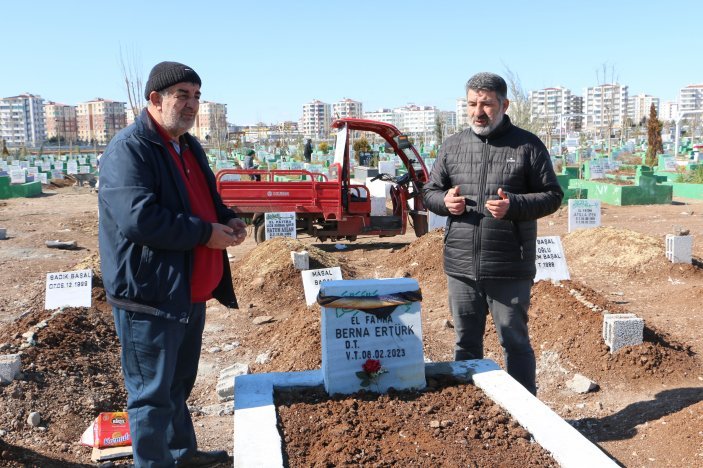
{"points": [[207, 263]]}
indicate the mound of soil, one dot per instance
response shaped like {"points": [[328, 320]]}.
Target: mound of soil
{"points": [[447, 425], [71, 374], [619, 252]]}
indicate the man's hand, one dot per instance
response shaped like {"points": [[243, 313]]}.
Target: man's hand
{"points": [[498, 208], [239, 229], [455, 203], [222, 237]]}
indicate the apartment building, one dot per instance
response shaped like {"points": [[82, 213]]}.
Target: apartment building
{"points": [[638, 107], [347, 108], [211, 122], [448, 119], [691, 98], [418, 121], [316, 120], [100, 119], [22, 120], [669, 110], [462, 115], [558, 107], [383, 115], [60, 121], [605, 107]]}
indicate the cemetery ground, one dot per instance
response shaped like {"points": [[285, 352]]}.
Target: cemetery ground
{"points": [[646, 411]]}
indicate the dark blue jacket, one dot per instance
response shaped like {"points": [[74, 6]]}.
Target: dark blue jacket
{"points": [[147, 231]]}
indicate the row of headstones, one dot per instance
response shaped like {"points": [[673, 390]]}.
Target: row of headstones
{"points": [[21, 172]]}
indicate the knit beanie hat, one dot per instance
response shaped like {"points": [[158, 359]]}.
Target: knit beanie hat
{"points": [[251, 152], [167, 74]]}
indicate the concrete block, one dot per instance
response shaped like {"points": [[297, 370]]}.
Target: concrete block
{"points": [[225, 382], [10, 365], [301, 260], [3, 233], [620, 330], [679, 249]]}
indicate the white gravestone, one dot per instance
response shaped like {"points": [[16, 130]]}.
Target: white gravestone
{"points": [[84, 169], [597, 170], [550, 260], [386, 167], [583, 214], [68, 289], [72, 167], [352, 338], [17, 176], [280, 224], [313, 279]]}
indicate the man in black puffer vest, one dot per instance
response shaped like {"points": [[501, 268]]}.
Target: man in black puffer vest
{"points": [[493, 181]]}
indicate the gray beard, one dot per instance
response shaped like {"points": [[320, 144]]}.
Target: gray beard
{"points": [[485, 131]]}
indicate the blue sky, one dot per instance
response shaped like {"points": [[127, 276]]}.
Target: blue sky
{"points": [[265, 59]]}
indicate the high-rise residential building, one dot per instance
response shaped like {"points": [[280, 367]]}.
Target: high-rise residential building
{"points": [[462, 115], [60, 121], [638, 107], [100, 119], [130, 117], [448, 119], [605, 107], [669, 110], [418, 121], [22, 120], [691, 98], [383, 115], [316, 120], [559, 106], [347, 108], [211, 122]]}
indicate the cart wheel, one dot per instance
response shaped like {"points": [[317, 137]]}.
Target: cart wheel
{"points": [[259, 231]]}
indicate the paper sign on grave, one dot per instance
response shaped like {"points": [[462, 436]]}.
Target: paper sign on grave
{"points": [[583, 214], [551, 261], [352, 338], [72, 167], [280, 224], [17, 176], [68, 289], [313, 279]]}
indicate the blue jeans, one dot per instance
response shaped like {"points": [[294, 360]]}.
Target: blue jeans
{"points": [[160, 363], [508, 302]]}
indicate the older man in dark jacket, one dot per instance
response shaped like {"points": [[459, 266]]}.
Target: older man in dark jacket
{"points": [[163, 233], [493, 181]]}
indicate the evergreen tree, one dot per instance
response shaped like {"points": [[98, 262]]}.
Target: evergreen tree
{"points": [[654, 137]]}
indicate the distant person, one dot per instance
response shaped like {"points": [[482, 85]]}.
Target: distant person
{"points": [[493, 181], [251, 162], [163, 232], [307, 151]]}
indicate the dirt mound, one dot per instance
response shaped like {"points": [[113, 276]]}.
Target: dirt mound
{"points": [[447, 425], [71, 374], [422, 259], [560, 323], [616, 251]]}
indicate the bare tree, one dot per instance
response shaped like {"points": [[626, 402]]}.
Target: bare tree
{"points": [[132, 75], [520, 108]]}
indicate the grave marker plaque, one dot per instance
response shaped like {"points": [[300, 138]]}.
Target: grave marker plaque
{"points": [[313, 279], [72, 167], [68, 289], [583, 214], [367, 349], [550, 261], [17, 176], [280, 224]]}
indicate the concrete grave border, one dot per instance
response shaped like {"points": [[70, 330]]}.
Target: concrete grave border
{"points": [[257, 442]]}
